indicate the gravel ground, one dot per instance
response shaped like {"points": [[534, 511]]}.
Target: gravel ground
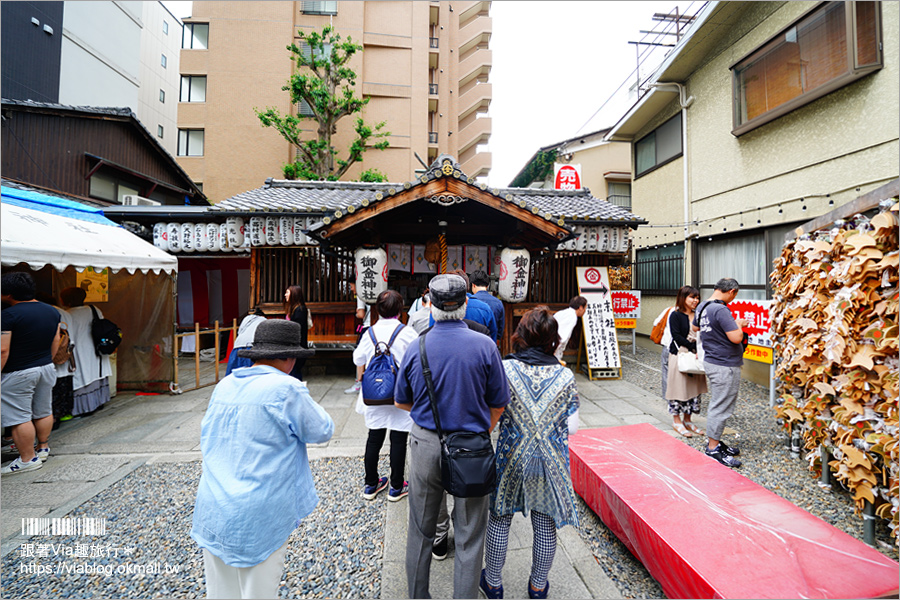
{"points": [[149, 515], [766, 462]]}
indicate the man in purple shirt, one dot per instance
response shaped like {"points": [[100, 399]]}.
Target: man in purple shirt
{"points": [[472, 392]]}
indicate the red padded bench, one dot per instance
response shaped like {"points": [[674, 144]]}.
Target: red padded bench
{"points": [[705, 531]]}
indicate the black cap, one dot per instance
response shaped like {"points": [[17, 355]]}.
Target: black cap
{"points": [[448, 292]]}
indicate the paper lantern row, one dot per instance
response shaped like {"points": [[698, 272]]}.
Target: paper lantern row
{"points": [[599, 239], [372, 274], [233, 235]]}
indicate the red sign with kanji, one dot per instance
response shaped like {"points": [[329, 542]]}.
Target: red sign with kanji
{"points": [[568, 177], [626, 303]]}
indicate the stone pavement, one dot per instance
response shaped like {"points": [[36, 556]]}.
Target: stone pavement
{"points": [[90, 454]]}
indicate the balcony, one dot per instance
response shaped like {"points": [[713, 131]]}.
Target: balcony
{"points": [[478, 132], [475, 66], [479, 165], [476, 99], [433, 43], [432, 137], [469, 10], [432, 89], [476, 32]]}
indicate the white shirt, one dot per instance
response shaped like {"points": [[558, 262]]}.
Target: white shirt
{"points": [[386, 416], [566, 320], [367, 320]]}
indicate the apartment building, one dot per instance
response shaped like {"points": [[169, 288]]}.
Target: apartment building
{"points": [[99, 54], [424, 68]]}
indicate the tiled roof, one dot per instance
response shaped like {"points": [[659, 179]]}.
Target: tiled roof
{"points": [[326, 197]]}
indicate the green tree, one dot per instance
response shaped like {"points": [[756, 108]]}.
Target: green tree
{"points": [[325, 82]]}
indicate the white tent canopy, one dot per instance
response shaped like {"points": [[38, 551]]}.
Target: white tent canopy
{"points": [[41, 238]]}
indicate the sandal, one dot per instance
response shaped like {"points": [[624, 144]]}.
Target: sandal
{"points": [[692, 427], [680, 428]]}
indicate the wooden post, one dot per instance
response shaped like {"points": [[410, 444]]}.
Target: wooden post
{"points": [[217, 350], [197, 352], [176, 337]]}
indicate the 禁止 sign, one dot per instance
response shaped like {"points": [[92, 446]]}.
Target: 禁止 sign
{"points": [[626, 304], [758, 328], [599, 319], [566, 177]]}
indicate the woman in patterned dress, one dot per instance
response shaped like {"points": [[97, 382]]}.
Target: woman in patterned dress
{"points": [[532, 453]]}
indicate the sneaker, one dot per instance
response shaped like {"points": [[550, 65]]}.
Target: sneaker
{"points": [[8, 448], [723, 457], [489, 591], [395, 494], [370, 491], [17, 466], [730, 450], [353, 389], [42, 453], [439, 550]]}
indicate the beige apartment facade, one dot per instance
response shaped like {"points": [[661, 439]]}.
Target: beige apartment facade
{"points": [[726, 182], [424, 68]]}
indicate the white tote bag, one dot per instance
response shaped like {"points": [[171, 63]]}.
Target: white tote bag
{"points": [[689, 364]]}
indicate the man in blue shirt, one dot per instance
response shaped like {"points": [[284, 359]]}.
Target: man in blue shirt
{"points": [[256, 484], [480, 282], [472, 392]]}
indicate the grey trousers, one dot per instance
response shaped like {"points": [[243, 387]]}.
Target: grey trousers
{"points": [[664, 363], [724, 383], [470, 517]]}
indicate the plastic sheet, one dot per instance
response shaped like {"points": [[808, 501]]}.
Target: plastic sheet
{"points": [[705, 531]]}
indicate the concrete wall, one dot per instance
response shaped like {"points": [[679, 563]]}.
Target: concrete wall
{"points": [[100, 59], [153, 77]]}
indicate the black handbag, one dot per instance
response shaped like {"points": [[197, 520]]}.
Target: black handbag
{"points": [[468, 469]]}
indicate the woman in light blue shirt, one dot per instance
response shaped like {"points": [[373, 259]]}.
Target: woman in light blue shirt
{"points": [[256, 484]]}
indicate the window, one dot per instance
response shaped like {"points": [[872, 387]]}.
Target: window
{"points": [[660, 270], [659, 147], [162, 61], [619, 193], [190, 142], [162, 96], [305, 110], [193, 88], [165, 27], [196, 36], [808, 60], [318, 8], [109, 188], [159, 131], [305, 51]]}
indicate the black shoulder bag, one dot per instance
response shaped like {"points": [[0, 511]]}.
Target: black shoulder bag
{"points": [[467, 459]]}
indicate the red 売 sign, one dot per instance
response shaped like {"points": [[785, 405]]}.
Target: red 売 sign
{"points": [[567, 177]]}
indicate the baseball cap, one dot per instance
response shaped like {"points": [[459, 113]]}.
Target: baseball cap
{"points": [[448, 292]]}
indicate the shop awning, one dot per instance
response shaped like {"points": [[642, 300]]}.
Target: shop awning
{"points": [[40, 230]]}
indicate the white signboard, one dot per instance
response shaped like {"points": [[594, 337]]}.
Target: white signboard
{"points": [[599, 319]]}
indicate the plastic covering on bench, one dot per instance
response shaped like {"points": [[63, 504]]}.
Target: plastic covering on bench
{"points": [[705, 531]]}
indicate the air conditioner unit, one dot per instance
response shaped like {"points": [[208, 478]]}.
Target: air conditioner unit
{"points": [[132, 200]]}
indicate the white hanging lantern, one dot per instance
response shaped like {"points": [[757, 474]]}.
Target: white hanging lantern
{"points": [[161, 237], [569, 245], [201, 239], [371, 273], [173, 231], [187, 237], [286, 231], [224, 243], [257, 231], [212, 237], [272, 231], [623, 239], [603, 241], [614, 234], [593, 238], [515, 266], [310, 221], [235, 232], [299, 236], [581, 241]]}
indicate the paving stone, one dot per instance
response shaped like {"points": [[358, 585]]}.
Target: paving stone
{"points": [[619, 407], [11, 519], [78, 468], [599, 419], [51, 495]]}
